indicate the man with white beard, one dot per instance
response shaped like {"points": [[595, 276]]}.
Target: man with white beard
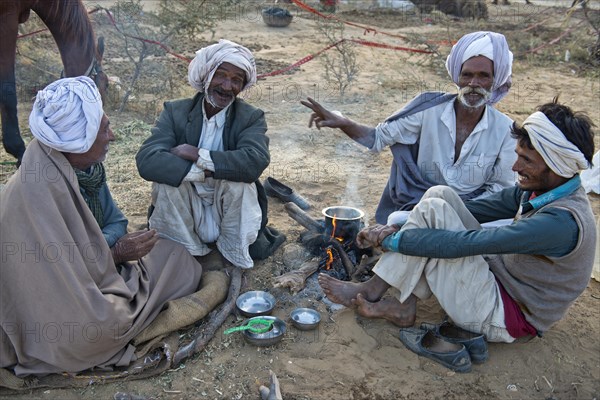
{"points": [[457, 140]]}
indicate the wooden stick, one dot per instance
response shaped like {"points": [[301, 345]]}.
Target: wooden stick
{"points": [[215, 318], [360, 268], [303, 218], [294, 280], [366, 262]]}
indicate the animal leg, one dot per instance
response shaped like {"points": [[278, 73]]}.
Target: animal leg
{"points": [[11, 137]]}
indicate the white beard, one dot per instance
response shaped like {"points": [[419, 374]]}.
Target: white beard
{"points": [[486, 94], [210, 101]]}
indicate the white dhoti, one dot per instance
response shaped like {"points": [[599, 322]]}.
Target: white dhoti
{"points": [[229, 214], [465, 287]]}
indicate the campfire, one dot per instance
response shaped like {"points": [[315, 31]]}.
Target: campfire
{"points": [[336, 246], [332, 243]]}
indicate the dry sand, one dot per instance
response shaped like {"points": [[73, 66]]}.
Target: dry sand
{"points": [[350, 357]]}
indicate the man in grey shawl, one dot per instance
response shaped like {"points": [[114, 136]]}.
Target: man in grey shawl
{"points": [[205, 156], [441, 138], [76, 288]]}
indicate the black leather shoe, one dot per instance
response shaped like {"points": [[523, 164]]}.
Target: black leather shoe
{"points": [[474, 342], [425, 343], [274, 188]]}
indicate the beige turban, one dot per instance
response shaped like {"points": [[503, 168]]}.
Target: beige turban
{"points": [[561, 156], [66, 115], [208, 59]]}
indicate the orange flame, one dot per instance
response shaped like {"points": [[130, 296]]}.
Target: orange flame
{"points": [[334, 223], [329, 258]]}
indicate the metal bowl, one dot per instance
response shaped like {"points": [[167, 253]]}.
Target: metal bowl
{"points": [[255, 303], [305, 319], [343, 222], [269, 338]]}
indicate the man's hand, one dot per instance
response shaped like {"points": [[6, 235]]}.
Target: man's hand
{"points": [[134, 246], [374, 235], [322, 116], [186, 151]]}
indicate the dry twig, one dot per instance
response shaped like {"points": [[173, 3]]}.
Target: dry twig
{"points": [[216, 319]]}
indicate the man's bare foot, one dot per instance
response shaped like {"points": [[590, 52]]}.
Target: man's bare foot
{"points": [[390, 308], [343, 292]]}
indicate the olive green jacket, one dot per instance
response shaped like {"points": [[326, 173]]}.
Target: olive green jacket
{"points": [[244, 158]]}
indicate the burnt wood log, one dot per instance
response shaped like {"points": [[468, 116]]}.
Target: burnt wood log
{"points": [[366, 263], [303, 218], [215, 320], [314, 241]]}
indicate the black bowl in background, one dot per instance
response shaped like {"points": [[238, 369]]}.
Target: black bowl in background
{"points": [[277, 17]]}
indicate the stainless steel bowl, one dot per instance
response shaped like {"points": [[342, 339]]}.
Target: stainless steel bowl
{"points": [[305, 319], [255, 303], [269, 338]]}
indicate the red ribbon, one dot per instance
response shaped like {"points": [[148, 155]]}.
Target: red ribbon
{"points": [[303, 60]]}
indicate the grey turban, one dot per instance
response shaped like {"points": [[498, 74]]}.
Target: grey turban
{"points": [[66, 115], [208, 59], [488, 44]]}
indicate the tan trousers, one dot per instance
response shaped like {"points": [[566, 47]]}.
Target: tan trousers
{"points": [[465, 287], [231, 217]]}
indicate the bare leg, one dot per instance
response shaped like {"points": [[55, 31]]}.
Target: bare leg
{"points": [[390, 308], [343, 292]]}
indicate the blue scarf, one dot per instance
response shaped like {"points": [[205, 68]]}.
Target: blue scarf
{"points": [[559, 192]]}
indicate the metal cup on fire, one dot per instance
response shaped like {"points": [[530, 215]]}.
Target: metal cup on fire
{"points": [[332, 242], [343, 222]]}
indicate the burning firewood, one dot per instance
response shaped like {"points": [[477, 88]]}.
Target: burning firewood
{"points": [[332, 241], [346, 262], [294, 280]]}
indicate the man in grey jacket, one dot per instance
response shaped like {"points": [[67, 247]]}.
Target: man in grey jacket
{"points": [[205, 157], [508, 282]]}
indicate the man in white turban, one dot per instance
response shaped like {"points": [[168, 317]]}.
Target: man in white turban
{"points": [[68, 264], [438, 138], [503, 284], [205, 156]]}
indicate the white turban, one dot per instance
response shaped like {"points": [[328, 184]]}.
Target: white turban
{"points": [[66, 115], [480, 47], [208, 59], [491, 45], [561, 156]]}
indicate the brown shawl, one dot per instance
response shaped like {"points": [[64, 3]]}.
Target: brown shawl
{"points": [[64, 306]]}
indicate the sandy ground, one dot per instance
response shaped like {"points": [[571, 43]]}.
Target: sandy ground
{"points": [[350, 357]]}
